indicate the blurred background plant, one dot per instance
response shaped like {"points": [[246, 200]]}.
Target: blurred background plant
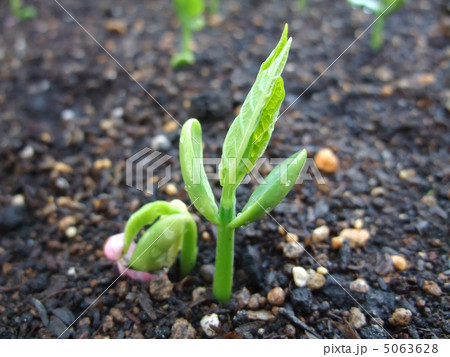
{"points": [[22, 12], [190, 15], [381, 9]]}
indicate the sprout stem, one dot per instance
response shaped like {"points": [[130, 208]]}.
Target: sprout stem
{"points": [[377, 34], [223, 275]]}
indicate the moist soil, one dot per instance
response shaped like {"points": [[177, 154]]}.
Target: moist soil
{"points": [[65, 105]]}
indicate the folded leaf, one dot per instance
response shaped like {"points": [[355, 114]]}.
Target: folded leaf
{"points": [[146, 215], [242, 148], [194, 176], [270, 193], [159, 246]]}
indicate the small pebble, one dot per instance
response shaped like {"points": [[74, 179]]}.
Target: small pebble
{"points": [[18, 200], [400, 317], [399, 262], [377, 191], [320, 234], [206, 236], [357, 319], [431, 288], [293, 250], [160, 288], [207, 272], [198, 294], [428, 200], [336, 242], [171, 189], [170, 126], [300, 276], [262, 315], [358, 223], [208, 323], [289, 331], [117, 314], [102, 164], [71, 232], [291, 238], [160, 142], [116, 26], [62, 167], [27, 152], [243, 298], [326, 161], [357, 237], [253, 303], [181, 328], [67, 114], [407, 174], [315, 281], [322, 270], [301, 299], [276, 296], [359, 285], [66, 222]]}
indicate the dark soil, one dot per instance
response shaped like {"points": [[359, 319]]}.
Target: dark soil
{"points": [[385, 115]]}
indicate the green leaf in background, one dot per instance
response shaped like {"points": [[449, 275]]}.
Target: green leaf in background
{"points": [[22, 12], [146, 215], [270, 193], [194, 176], [259, 111]]}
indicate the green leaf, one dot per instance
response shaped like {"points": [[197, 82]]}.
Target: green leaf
{"points": [[259, 111], [159, 246], [146, 215], [189, 8], [263, 131], [270, 193], [194, 176]]}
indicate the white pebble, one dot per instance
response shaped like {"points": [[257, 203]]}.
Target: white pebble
{"points": [[320, 234], [300, 276], [161, 142], [293, 250], [209, 321], [117, 112], [27, 152], [67, 114]]}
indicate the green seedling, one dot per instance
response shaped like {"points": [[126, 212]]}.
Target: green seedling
{"points": [[172, 229], [22, 12], [382, 9], [302, 4], [190, 15], [244, 144]]}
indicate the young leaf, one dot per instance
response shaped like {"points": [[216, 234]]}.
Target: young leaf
{"points": [[159, 245], [269, 194], [194, 176], [146, 215], [241, 148]]}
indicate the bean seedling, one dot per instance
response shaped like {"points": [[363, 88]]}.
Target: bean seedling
{"points": [[381, 9], [171, 228], [244, 144], [22, 12], [190, 15]]}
